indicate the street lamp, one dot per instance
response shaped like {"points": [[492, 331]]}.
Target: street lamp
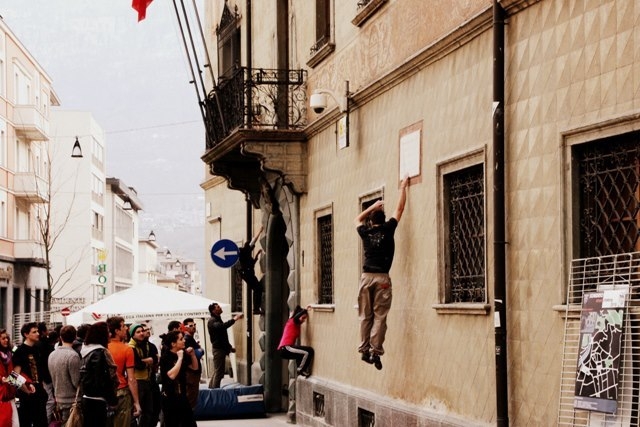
{"points": [[76, 151], [152, 236], [178, 263]]}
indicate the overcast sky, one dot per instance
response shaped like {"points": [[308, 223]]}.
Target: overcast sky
{"points": [[134, 78]]}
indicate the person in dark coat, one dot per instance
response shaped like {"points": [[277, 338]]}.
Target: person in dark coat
{"points": [[248, 273], [175, 361], [98, 377], [219, 342]]}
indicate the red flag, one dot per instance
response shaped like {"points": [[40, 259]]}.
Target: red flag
{"points": [[141, 7]]}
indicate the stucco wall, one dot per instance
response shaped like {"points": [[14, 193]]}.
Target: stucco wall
{"points": [[438, 353], [569, 65]]}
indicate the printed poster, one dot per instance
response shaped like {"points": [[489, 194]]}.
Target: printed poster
{"points": [[598, 369]]}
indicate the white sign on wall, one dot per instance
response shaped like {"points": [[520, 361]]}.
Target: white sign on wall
{"points": [[342, 132], [410, 151]]}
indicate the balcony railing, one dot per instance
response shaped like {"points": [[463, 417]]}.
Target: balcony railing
{"points": [[30, 186], [30, 122], [262, 99], [28, 249]]}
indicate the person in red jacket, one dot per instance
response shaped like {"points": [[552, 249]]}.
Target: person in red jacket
{"points": [[288, 349], [7, 391]]}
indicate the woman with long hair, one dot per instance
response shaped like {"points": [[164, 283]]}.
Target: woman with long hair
{"points": [[98, 379], [176, 409], [8, 409]]}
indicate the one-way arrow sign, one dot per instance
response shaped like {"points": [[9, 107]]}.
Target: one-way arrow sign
{"points": [[224, 253]]}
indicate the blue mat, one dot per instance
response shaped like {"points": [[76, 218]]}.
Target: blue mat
{"points": [[230, 401]]}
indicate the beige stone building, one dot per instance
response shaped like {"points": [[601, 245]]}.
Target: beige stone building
{"points": [[423, 99]]}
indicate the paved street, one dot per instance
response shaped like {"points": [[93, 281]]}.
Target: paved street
{"points": [[272, 420]]}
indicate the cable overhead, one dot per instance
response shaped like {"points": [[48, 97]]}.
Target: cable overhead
{"points": [[196, 72]]}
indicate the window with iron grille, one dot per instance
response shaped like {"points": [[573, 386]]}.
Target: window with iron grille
{"points": [[609, 195], [325, 259], [366, 418], [236, 289], [465, 235], [365, 203]]}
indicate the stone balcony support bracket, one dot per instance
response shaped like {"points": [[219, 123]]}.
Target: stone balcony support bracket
{"points": [[287, 157], [244, 157]]}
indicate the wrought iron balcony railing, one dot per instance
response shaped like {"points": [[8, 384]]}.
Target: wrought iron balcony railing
{"points": [[264, 99]]}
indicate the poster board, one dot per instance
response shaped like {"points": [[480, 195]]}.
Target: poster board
{"points": [[599, 355]]}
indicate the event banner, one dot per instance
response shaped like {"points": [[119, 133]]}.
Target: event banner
{"points": [[598, 369]]}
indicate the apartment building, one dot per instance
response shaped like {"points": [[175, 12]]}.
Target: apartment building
{"points": [[78, 253], [517, 124], [121, 225], [26, 98]]}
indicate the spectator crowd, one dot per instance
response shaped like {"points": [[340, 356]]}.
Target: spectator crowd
{"points": [[109, 372], [111, 375]]}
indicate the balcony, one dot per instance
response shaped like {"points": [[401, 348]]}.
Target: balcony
{"points": [[30, 123], [29, 251], [29, 186], [254, 122]]}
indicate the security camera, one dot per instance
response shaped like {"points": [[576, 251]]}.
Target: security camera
{"points": [[318, 102]]}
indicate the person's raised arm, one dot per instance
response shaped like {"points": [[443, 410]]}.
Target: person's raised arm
{"points": [[256, 236], [401, 200], [360, 219]]}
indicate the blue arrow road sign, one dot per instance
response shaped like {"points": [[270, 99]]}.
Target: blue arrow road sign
{"points": [[224, 253]]}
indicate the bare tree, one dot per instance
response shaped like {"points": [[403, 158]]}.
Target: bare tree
{"points": [[52, 217]]}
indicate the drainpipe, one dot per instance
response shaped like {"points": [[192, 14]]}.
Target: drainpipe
{"points": [[499, 226], [249, 209], [249, 66], [249, 298]]}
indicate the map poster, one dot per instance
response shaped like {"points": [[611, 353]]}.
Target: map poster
{"points": [[598, 368]]}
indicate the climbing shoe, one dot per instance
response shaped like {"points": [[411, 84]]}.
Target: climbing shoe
{"points": [[375, 359]]}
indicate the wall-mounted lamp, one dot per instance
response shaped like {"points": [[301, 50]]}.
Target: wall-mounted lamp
{"points": [[187, 275], [178, 263], [167, 255], [127, 205], [318, 103], [76, 151], [152, 236]]}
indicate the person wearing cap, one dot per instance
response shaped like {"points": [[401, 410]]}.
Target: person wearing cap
{"points": [[143, 365], [219, 342]]}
